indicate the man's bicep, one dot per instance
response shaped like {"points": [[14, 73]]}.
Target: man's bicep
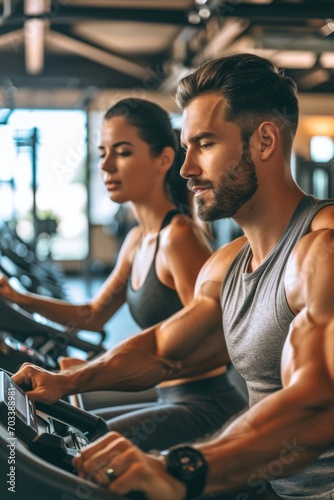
{"points": [[196, 330], [308, 351]]}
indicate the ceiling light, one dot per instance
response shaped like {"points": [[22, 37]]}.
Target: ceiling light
{"points": [[298, 59], [201, 2], [204, 13], [327, 60], [295, 59]]}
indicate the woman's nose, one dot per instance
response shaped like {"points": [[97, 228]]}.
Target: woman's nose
{"points": [[107, 164]]}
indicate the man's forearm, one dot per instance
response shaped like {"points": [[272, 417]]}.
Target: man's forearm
{"points": [[162, 352], [268, 442], [131, 366]]}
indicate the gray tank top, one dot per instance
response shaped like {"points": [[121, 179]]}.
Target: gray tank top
{"points": [[256, 320]]}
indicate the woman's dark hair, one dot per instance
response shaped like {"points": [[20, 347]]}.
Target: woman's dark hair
{"points": [[154, 127], [254, 88]]}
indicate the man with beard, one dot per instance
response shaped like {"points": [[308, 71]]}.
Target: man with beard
{"points": [[277, 300]]}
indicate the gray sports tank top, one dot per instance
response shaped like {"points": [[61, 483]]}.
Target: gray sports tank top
{"points": [[256, 320]]}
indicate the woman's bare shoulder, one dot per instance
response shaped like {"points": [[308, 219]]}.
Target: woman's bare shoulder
{"points": [[181, 230]]}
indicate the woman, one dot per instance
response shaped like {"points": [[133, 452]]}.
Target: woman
{"points": [[155, 271]]}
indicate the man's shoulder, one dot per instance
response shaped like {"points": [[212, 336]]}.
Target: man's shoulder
{"points": [[317, 242], [218, 264], [310, 273], [314, 244], [324, 219], [319, 239], [216, 267], [225, 254]]}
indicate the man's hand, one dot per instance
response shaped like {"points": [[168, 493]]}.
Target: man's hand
{"points": [[129, 469], [46, 387]]}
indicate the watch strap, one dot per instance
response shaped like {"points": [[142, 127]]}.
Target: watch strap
{"points": [[195, 485]]}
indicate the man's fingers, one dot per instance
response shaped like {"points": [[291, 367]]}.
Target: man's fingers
{"points": [[104, 443], [96, 459], [104, 461], [133, 479], [37, 383], [22, 376]]}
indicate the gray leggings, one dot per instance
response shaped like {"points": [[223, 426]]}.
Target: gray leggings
{"points": [[245, 493], [183, 413]]}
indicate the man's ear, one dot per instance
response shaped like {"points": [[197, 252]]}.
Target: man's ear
{"points": [[268, 139], [166, 158]]}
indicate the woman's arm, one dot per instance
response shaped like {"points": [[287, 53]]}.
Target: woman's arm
{"points": [[87, 316]]}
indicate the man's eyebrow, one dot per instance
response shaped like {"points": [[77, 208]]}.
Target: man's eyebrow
{"points": [[195, 138]]}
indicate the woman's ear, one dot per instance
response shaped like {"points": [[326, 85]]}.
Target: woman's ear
{"points": [[166, 157], [268, 138]]}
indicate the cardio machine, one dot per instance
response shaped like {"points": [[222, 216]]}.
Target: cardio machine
{"points": [[28, 336], [37, 445]]}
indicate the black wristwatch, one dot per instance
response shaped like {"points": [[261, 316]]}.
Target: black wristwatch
{"points": [[189, 466]]}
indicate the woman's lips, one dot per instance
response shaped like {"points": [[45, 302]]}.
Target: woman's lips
{"points": [[112, 185]]}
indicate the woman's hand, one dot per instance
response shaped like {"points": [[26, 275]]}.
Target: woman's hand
{"points": [[6, 291], [115, 463]]}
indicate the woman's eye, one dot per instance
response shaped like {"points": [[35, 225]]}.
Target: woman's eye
{"points": [[123, 153]]}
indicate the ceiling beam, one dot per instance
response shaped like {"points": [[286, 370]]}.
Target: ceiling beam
{"points": [[278, 11], [4, 30], [86, 49], [63, 14], [64, 71]]}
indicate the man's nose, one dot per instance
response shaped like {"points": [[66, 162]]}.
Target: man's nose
{"points": [[190, 167]]}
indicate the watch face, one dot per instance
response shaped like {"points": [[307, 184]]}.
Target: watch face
{"points": [[186, 461]]}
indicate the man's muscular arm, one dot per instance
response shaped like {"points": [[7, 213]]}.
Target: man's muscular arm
{"points": [[189, 343], [295, 425]]}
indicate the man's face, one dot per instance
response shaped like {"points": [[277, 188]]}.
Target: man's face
{"points": [[218, 164]]}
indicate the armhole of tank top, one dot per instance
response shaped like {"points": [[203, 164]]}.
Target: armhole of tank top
{"points": [[282, 302], [282, 298], [234, 262]]}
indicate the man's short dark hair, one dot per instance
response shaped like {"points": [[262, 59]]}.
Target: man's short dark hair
{"points": [[254, 88]]}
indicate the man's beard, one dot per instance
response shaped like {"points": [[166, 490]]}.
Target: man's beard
{"points": [[235, 188]]}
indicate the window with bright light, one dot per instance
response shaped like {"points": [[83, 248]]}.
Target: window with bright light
{"points": [[322, 148], [61, 193]]}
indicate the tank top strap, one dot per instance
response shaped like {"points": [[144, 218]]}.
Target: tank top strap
{"points": [[167, 219]]}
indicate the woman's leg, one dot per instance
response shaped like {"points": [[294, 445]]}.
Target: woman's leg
{"points": [[183, 414]]}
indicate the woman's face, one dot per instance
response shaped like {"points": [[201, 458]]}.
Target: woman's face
{"points": [[129, 170]]}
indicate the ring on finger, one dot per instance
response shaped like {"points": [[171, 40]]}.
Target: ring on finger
{"points": [[110, 473]]}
